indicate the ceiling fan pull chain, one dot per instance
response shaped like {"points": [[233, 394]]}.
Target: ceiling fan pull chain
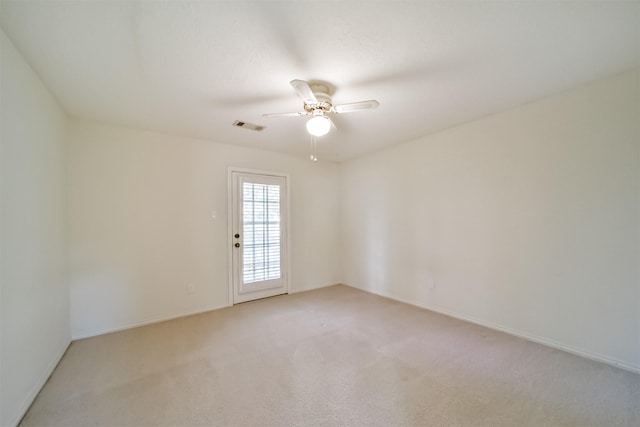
{"points": [[313, 156]]}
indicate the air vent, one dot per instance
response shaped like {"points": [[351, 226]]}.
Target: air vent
{"points": [[247, 125]]}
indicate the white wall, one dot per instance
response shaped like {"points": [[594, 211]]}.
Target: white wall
{"points": [[141, 227], [33, 273], [527, 221]]}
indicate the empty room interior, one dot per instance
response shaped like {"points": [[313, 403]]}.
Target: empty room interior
{"points": [[320, 213]]}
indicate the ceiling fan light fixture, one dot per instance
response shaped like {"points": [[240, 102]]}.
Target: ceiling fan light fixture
{"points": [[318, 125]]}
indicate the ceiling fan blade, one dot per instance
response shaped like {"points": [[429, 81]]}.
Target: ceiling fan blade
{"points": [[301, 113], [333, 125], [304, 91], [355, 106]]}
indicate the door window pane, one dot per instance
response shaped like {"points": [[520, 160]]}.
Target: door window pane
{"points": [[261, 226]]}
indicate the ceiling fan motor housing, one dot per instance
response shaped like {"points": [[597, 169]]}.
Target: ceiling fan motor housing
{"points": [[322, 94]]}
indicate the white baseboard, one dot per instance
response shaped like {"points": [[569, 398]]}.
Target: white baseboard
{"points": [[42, 380], [627, 366], [153, 320], [164, 318], [312, 288]]}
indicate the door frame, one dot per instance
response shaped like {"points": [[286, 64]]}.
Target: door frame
{"points": [[230, 239]]}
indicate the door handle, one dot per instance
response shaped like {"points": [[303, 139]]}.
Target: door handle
{"points": [[237, 245]]}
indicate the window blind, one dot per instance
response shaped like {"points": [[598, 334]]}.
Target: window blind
{"points": [[261, 228]]}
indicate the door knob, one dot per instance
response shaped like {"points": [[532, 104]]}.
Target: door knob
{"points": [[236, 236], [237, 245]]}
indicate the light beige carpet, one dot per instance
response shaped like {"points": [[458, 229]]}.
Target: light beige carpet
{"points": [[330, 357]]}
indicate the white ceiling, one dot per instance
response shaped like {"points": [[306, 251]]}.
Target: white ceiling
{"points": [[193, 68]]}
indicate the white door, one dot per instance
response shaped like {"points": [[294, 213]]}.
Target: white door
{"points": [[258, 235]]}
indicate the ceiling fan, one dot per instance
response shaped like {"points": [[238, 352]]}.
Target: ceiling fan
{"points": [[317, 103]]}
